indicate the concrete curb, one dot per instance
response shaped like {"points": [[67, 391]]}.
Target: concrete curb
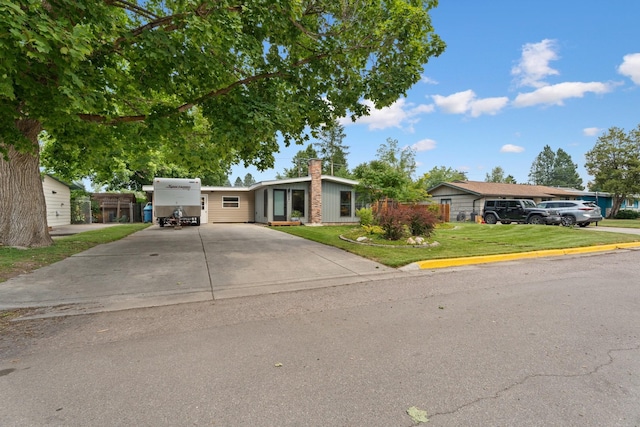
{"points": [[453, 262]]}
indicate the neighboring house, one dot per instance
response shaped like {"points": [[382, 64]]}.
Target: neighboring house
{"points": [[467, 197], [321, 199], [57, 198]]}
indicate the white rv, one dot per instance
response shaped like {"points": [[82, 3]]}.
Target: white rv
{"points": [[176, 201]]}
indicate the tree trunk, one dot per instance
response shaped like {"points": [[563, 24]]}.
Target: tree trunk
{"points": [[615, 206], [23, 213]]}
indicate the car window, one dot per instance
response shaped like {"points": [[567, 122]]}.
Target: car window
{"points": [[489, 204], [501, 204], [529, 203]]}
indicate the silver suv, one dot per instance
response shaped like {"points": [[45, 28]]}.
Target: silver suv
{"points": [[573, 212]]}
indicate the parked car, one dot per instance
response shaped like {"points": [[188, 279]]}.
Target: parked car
{"points": [[517, 210], [579, 212]]}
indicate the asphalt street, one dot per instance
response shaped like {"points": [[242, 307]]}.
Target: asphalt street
{"points": [[536, 342]]}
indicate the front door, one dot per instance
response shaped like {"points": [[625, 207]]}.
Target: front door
{"points": [[279, 205], [204, 212]]}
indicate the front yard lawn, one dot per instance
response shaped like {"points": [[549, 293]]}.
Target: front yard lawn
{"points": [[465, 239]]}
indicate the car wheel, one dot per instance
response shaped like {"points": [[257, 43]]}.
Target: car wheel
{"points": [[490, 219], [583, 224], [536, 219], [568, 221], [506, 222]]}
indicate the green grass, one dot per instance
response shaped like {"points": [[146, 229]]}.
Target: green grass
{"points": [[625, 223], [18, 261], [466, 239]]}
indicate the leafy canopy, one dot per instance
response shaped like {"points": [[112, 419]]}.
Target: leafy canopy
{"points": [[614, 162], [116, 83]]}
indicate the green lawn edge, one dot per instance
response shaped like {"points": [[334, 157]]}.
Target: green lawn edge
{"points": [[466, 239]]}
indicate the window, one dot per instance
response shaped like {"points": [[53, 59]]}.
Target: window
{"points": [[230, 201], [448, 202], [297, 201], [265, 202], [345, 203]]}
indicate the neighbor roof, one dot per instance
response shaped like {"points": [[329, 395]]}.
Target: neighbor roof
{"points": [[496, 189]]}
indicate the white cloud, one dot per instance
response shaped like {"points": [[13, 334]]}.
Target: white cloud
{"points": [[631, 67], [510, 148], [399, 114], [458, 103], [590, 131], [489, 106], [428, 80], [467, 102], [424, 145], [533, 66], [556, 94]]}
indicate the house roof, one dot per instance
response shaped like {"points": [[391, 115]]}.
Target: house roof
{"points": [[261, 184], [496, 189], [71, 186]]}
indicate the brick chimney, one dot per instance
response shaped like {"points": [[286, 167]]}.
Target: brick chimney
{"points": [[315, 192]]}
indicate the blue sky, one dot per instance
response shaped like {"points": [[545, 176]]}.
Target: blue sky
{"points": [[516, 75]]}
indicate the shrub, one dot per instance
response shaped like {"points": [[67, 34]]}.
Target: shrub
{"points": [[627, 214], [373, 229], [420, 220], [394, 221], [365, 215]]}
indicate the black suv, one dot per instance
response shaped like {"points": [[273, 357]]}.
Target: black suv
{"points": [[517, 210]]}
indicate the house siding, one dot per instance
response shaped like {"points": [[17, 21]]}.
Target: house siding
{"points": [[331, 203], [461, 203], [58, 204], [243, 213]]}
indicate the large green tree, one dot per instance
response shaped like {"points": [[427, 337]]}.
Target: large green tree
{"points": [[390, 175], [555, 169], [114, 79], [497, 175], [440, 174], [614, 162]]}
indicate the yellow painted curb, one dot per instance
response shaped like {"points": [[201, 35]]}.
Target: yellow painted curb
{"points": [[484, 259]]}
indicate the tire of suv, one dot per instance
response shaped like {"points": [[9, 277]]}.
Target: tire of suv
{"points": [[535, 219], [583, 224], [490, 218], [568, 221], [505, 222]]}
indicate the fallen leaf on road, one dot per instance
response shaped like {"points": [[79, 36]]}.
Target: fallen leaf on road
{"points": [[417, 415]]}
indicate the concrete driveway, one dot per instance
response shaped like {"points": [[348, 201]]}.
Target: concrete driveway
{"points": [[161, 266]]}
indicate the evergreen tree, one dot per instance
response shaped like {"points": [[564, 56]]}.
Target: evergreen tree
{"points": [[565, 173], [249, 180], [332, 151], [300, 163], [555, 170], [541, 172], [238, 182]]}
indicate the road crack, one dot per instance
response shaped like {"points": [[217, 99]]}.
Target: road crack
{"points": [[498, 393]]}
